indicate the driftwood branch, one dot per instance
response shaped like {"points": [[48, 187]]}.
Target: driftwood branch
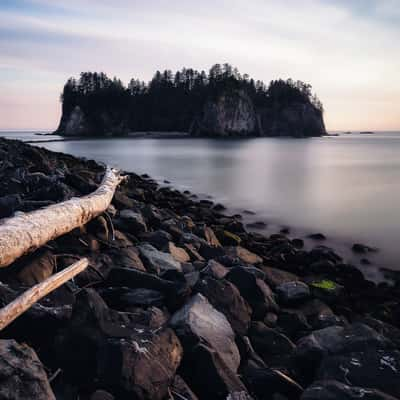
{"points": [[22, 303], [25, 233]]}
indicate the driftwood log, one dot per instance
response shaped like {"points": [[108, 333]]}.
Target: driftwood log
{"points": [[18, 306], [27, 232]]}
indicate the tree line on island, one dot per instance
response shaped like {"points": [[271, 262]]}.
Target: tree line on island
{"points": [[172, 101]]}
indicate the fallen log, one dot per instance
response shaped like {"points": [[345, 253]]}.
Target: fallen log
{"points": [[27, 232], [22, 303]]}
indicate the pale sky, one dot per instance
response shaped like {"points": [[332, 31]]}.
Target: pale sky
{"points": [[347, 49]]}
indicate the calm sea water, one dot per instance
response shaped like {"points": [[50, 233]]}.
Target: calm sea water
{"points": [[347, 187]]}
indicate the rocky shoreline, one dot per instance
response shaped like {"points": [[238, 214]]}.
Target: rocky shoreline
{"points": [[182, 302]]}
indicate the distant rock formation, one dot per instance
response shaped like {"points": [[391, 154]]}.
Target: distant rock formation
{"points": [[222, 104]]}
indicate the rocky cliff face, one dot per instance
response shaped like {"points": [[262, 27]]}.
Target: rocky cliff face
{"points": [[231, 114], [79, 123], [234, 114]]}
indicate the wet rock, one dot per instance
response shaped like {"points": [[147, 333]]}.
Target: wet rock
{"points": [[255, 291], [142, 367], [132, 221], [338, 340], [256, 225], [152, 215], [122, 297], [275, 277], [215, 269], [101, 344], [37, 269], [180, 390], [292, 292], [175, 292], [229, 239], [298, 243], [211, 252], [225, 297], [22, 375], [9, 204], [156, 260], [362, 248], [159, 239], [198, 321], [319, 315], [122, 201], [101, 395], [294, 323], [334, 390], [317, 236], [178, 253], [377, 369], [209, 376], [268, 342], [244, 255], [127, 257], [264, 382], [326, 290]]}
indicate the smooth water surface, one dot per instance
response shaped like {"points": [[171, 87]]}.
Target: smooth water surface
{"points": [[347, 187]]}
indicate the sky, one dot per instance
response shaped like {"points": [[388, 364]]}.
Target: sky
{"points": [[348, 50]]}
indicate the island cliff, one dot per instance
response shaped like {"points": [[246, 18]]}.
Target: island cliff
{"points": [[221, 104]]}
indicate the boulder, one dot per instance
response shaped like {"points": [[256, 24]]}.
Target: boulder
{"points": [[37, 269], [198, 321], [22, 375], [159, 239], [275, 277], [157, 261], [124, 298], [375, 369], [244, 255], [292, 292], [101, 395], [226, 298], [178, 253], [255, 291], [208, 375], [129, 359], [319, 315], [269, 342], [215, 270], [334, 390], [180, 390], [9, 204], [132, 221]]}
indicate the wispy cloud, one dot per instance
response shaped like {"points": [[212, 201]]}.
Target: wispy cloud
{"points": [[348, 53]]}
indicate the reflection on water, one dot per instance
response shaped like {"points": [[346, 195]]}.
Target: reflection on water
{"points": [[346, 187]]}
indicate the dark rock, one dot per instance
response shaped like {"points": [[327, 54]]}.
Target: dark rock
{"points": [[255, 291], [257, 225], [292, 292], [225, 297], [317, 236], [178, 253], [99, 227], [141, 368], [121, 297], [219, 207], [175, 292], [127, 257], [228, 238], [244, 255], [180, 390], [377, 369], [268, 342], [362, 248], [326, 290], [215, 269], [270, 319], [293, 322], [298, 243], [101, 395], [156, 260], [319, 315], [334, 390], [198, 321], [22, 375], [275, 277], [104, 345], [131, 221], [265, 382], [9, 204], [209, 376], [159, 239], [37, 269]]}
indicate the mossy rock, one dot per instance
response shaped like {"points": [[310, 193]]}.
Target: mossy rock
{"points": [[230, 239], [325, 284]]}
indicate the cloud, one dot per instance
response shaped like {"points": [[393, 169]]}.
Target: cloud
{"points": [[343, 52]]}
